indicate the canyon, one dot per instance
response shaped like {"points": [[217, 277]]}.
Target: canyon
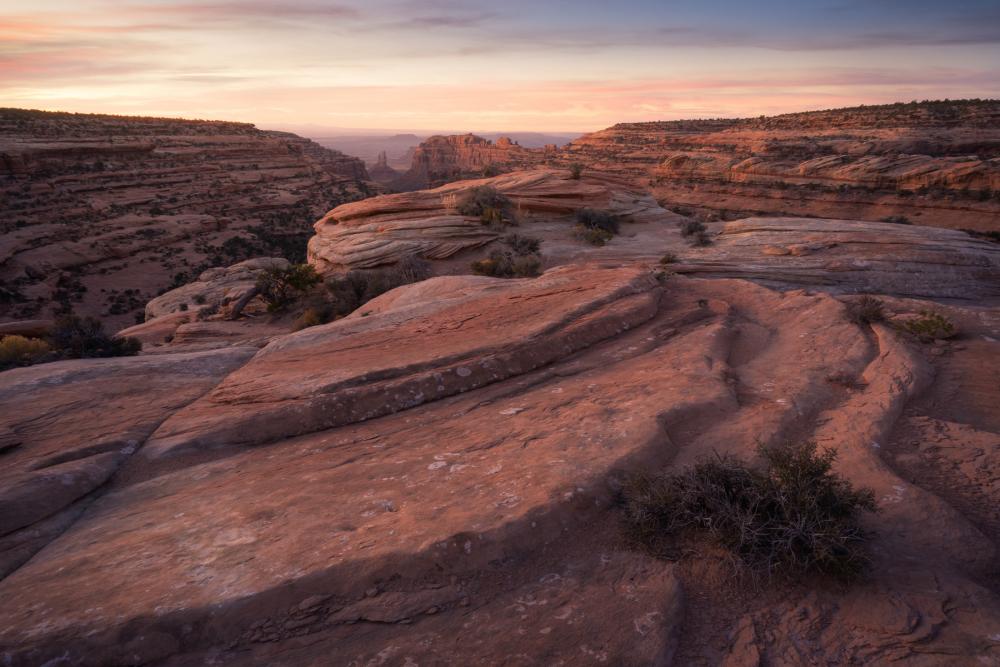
{"points": [[102, 213], [437, 476], [940, 160]]}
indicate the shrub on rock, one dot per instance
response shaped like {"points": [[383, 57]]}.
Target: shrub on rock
{"points": [[279, 287], [502, 264], [792, 516], [21, 351], [485, 203], [76, 337], [929, 326]]}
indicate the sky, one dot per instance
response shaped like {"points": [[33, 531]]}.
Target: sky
{"points": [[517, 65]]}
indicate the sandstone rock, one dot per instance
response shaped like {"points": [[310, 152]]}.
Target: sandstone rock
{"points": [[215, 288], [383, 229], [70, 425], [537, 322], [850, 256], [487, 514]]}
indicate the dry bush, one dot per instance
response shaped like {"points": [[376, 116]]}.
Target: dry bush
{"points": [[280, 287], [349, 292], [523, 245], [575, 171], [21, 351], [487, 204], [866, 310], [790, 517], [502, 264], [73, 337]]}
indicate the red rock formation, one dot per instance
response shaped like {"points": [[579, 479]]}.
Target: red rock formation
{"points": [[440, 159], [100, 213]]}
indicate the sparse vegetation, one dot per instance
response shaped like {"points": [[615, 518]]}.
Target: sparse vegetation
{"points": [[575, 171], [523, 245], [596, 227], [866, 310], [897, 220], [352, 290], [502, 264], [791, 516], [668, 258], [280, 287], [74, 337], [695, 232], [21, 351], [929, 326], [487, 204]]}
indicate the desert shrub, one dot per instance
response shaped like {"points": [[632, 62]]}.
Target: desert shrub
{"points": [[866, 310], [897, 219], [593, 236], [700, 239], [485, 203], [929, 326], [310, 317], [490, 170], [21, 351], [522, 245], [576, 171], [791, 516], [76, 337], [594, 219], [280, 287], [668, 258], [502, 264], [691, 228], [351, 290]]}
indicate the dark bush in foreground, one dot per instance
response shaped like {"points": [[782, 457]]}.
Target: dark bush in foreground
{"points": [[791, 517], [866, 310], [897, 220], [75, 337], [280, 287], [485, 203], [501, 264], [575, 171]]}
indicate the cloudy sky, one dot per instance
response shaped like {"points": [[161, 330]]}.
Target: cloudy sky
{"points": [[555, 65]]}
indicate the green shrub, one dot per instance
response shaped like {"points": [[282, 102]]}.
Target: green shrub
{"points": [[76, 337], [668, 258], [575, 171], [593, 236], [929, 326], [21, 351], [280, 287], [700, 239], [866, 310], [485, 203], [502, 264], [792, 516], [523, 245]]}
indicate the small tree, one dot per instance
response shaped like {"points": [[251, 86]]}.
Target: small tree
{"points": [[575, 171]]}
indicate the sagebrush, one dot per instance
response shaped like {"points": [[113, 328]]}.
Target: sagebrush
{"points": [[790, 516]]}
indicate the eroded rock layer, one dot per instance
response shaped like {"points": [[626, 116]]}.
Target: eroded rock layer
{"points": [[101, 213], [476, 524]]}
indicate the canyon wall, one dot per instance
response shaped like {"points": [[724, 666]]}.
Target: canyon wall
{"points": [[101, 213]]}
